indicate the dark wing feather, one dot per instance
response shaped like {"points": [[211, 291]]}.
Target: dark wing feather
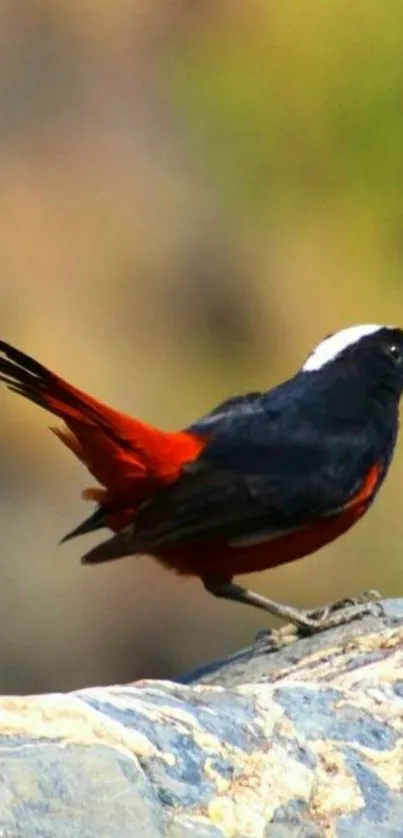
{"points": [[215, 504], [210, 502], [268, 466], [235, 405]]}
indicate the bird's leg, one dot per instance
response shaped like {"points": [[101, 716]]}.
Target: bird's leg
{"points": [[336, 614]]}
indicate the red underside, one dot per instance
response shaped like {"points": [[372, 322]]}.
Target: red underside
{"points": [[221, 561]]}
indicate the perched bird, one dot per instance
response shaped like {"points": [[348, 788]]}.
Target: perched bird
{"points": [[264, 479]]}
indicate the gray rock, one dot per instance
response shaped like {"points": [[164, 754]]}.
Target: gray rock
{"points": [[301, 737]]}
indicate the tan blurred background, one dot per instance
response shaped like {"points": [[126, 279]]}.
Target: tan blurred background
{"points": [[192, 195]]}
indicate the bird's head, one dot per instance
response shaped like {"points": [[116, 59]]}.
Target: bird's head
{"points": [[369, 354]]}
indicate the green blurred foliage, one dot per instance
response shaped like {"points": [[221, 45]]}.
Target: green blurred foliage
{"points": [[299, 104], [192, 195]]}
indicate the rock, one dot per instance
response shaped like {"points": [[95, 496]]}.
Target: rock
{"points": [[304, 741]]}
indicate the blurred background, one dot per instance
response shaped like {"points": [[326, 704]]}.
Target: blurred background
{"points": [[192, 196]]}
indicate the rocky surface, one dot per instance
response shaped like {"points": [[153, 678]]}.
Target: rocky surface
{"points": [[305, 740]]}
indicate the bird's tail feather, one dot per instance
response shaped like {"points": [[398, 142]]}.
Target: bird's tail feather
{"points": [[129, 458]]}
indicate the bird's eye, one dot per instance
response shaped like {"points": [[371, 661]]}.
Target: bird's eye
{"points": [[395, 352]]}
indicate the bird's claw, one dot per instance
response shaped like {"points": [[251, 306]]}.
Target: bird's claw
{"points": [[305, 622], [342, 612], [272, 640]]}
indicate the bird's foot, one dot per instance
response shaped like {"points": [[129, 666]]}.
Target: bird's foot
{"points": [[313, 621], [341, 612], [272, 640]]}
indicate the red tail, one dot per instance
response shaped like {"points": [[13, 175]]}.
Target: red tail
{"points": [[129, 458]]}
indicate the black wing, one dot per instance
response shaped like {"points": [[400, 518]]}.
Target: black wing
{"points": [[240, 405], [248, 480], [301, 484]]}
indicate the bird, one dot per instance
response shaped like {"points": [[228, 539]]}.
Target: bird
{"points": [[263, 479]]}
